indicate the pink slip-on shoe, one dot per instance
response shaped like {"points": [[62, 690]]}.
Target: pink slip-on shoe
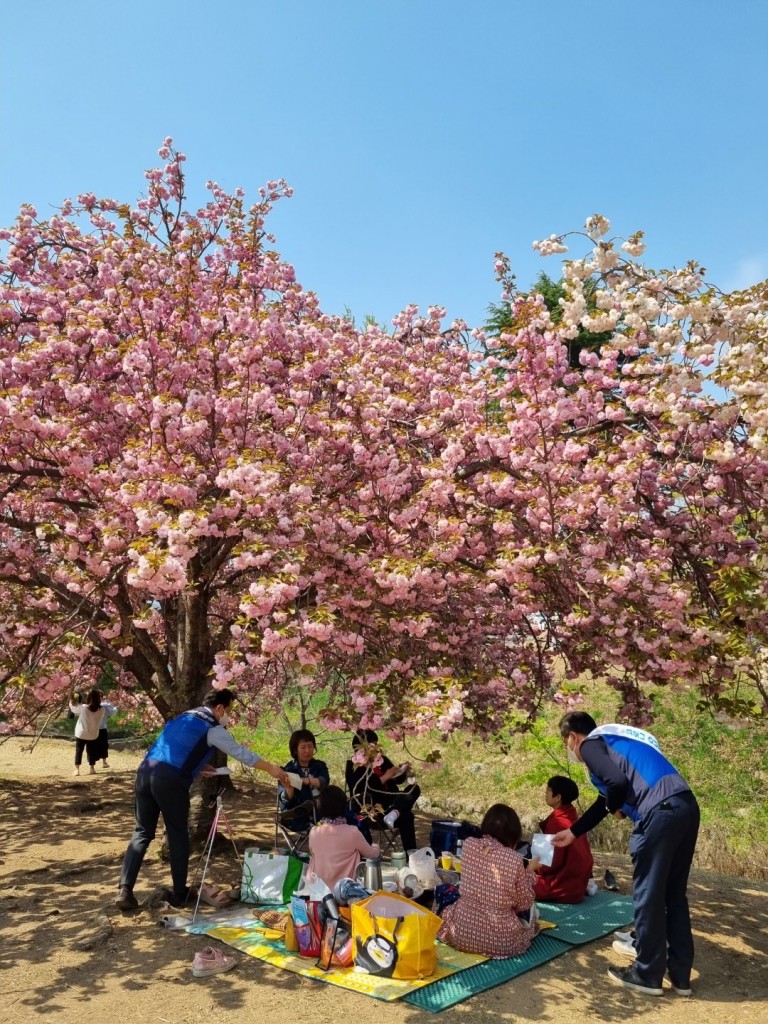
{"points": [[210, 961]]}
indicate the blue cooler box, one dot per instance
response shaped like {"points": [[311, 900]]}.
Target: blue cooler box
{"points": [[445, 834]]}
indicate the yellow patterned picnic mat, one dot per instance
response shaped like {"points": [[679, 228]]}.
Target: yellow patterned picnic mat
{"points": [[249, 936]]}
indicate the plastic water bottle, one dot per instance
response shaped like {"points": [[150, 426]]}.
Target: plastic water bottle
{"points": [[459, 848], [591, 887]]}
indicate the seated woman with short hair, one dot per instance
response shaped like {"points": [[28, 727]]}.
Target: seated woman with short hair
{"points": [[335, 846], [496, 887], [314, 777]]}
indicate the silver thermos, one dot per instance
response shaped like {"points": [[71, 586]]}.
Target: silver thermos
{"points": [[372, 874]]}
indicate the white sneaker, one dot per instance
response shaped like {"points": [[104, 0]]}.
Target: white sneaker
{"points": [[628, 949], [391, 818], [76, 771], [92, 771]]}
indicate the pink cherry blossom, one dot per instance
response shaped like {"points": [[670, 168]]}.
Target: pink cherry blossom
{"points": [[207, 480]]}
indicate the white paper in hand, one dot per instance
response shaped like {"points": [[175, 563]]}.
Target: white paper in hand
{"points": [[224, 771], [294, 779], [542, 848]]}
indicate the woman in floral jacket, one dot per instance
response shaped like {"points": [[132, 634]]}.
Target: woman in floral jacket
{"points": [[496, 914]]}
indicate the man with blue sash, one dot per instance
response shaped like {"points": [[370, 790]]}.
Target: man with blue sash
{"points": [[179, 754], [636, 781]]}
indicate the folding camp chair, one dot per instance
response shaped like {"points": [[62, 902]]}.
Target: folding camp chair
{"points": [[295, 838], [387, 838]]}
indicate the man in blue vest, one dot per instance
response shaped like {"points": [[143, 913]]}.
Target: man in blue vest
{"points": [[179, 754], [636, 781]]}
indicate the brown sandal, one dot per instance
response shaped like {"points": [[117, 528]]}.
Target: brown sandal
{"points": [[215, 896]]}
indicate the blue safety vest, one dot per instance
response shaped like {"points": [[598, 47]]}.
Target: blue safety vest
{"points": [[182, 745], [652, 778]]}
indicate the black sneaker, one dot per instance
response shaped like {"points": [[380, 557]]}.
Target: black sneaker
{"points": [[177, 900], [609, 881], [629, 978], [125, 899], [679, 988]]}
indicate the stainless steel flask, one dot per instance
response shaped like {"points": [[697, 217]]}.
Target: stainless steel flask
{"points": [[372, 874]]}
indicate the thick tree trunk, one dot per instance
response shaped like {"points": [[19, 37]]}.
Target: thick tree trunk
{"points": [[189, 658], [203, 801]]}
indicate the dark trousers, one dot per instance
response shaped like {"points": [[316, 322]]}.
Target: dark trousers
{"points": [[361, 823], [662, 846], [403, 803], [102, 749], [92, 749], [155, 796]]}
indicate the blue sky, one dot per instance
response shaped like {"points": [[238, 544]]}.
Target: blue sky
{"points": [[420, 136]]}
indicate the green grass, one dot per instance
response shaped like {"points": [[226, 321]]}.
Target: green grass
{"points": [[726, 764]]}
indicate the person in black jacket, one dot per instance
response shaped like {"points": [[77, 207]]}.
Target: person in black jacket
{"points": [[314, 777], [374, 781]]}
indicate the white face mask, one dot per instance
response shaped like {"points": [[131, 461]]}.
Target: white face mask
{"points": [[224, 720], [573, 757]]}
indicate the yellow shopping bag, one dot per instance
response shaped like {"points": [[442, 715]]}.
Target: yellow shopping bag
{"points": [[393, 937]]}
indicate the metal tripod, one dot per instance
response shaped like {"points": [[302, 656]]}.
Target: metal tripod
{"points": [[205, 857]]}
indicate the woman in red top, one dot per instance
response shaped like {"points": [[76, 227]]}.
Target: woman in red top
{"points": [[565, 881]]}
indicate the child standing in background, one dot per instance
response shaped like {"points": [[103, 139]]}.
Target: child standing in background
{"points": [[565, 881], [102, 752]]}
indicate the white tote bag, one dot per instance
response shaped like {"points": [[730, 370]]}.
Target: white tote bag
{"points": [[270, 877]]}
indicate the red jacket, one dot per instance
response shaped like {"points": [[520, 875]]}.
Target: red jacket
{"points": [[566, 880]]}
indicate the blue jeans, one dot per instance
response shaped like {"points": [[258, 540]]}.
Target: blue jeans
{"points": [[155, 795], [661, 847]]}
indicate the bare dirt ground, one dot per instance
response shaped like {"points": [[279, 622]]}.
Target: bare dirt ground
{"points": [[62, 843]]}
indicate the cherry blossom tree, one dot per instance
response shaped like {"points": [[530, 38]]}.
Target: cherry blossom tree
{"points": [[672, 452], [206, 480]]}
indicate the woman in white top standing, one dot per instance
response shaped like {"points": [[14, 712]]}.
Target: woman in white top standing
{"points": [[89, 716]]}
